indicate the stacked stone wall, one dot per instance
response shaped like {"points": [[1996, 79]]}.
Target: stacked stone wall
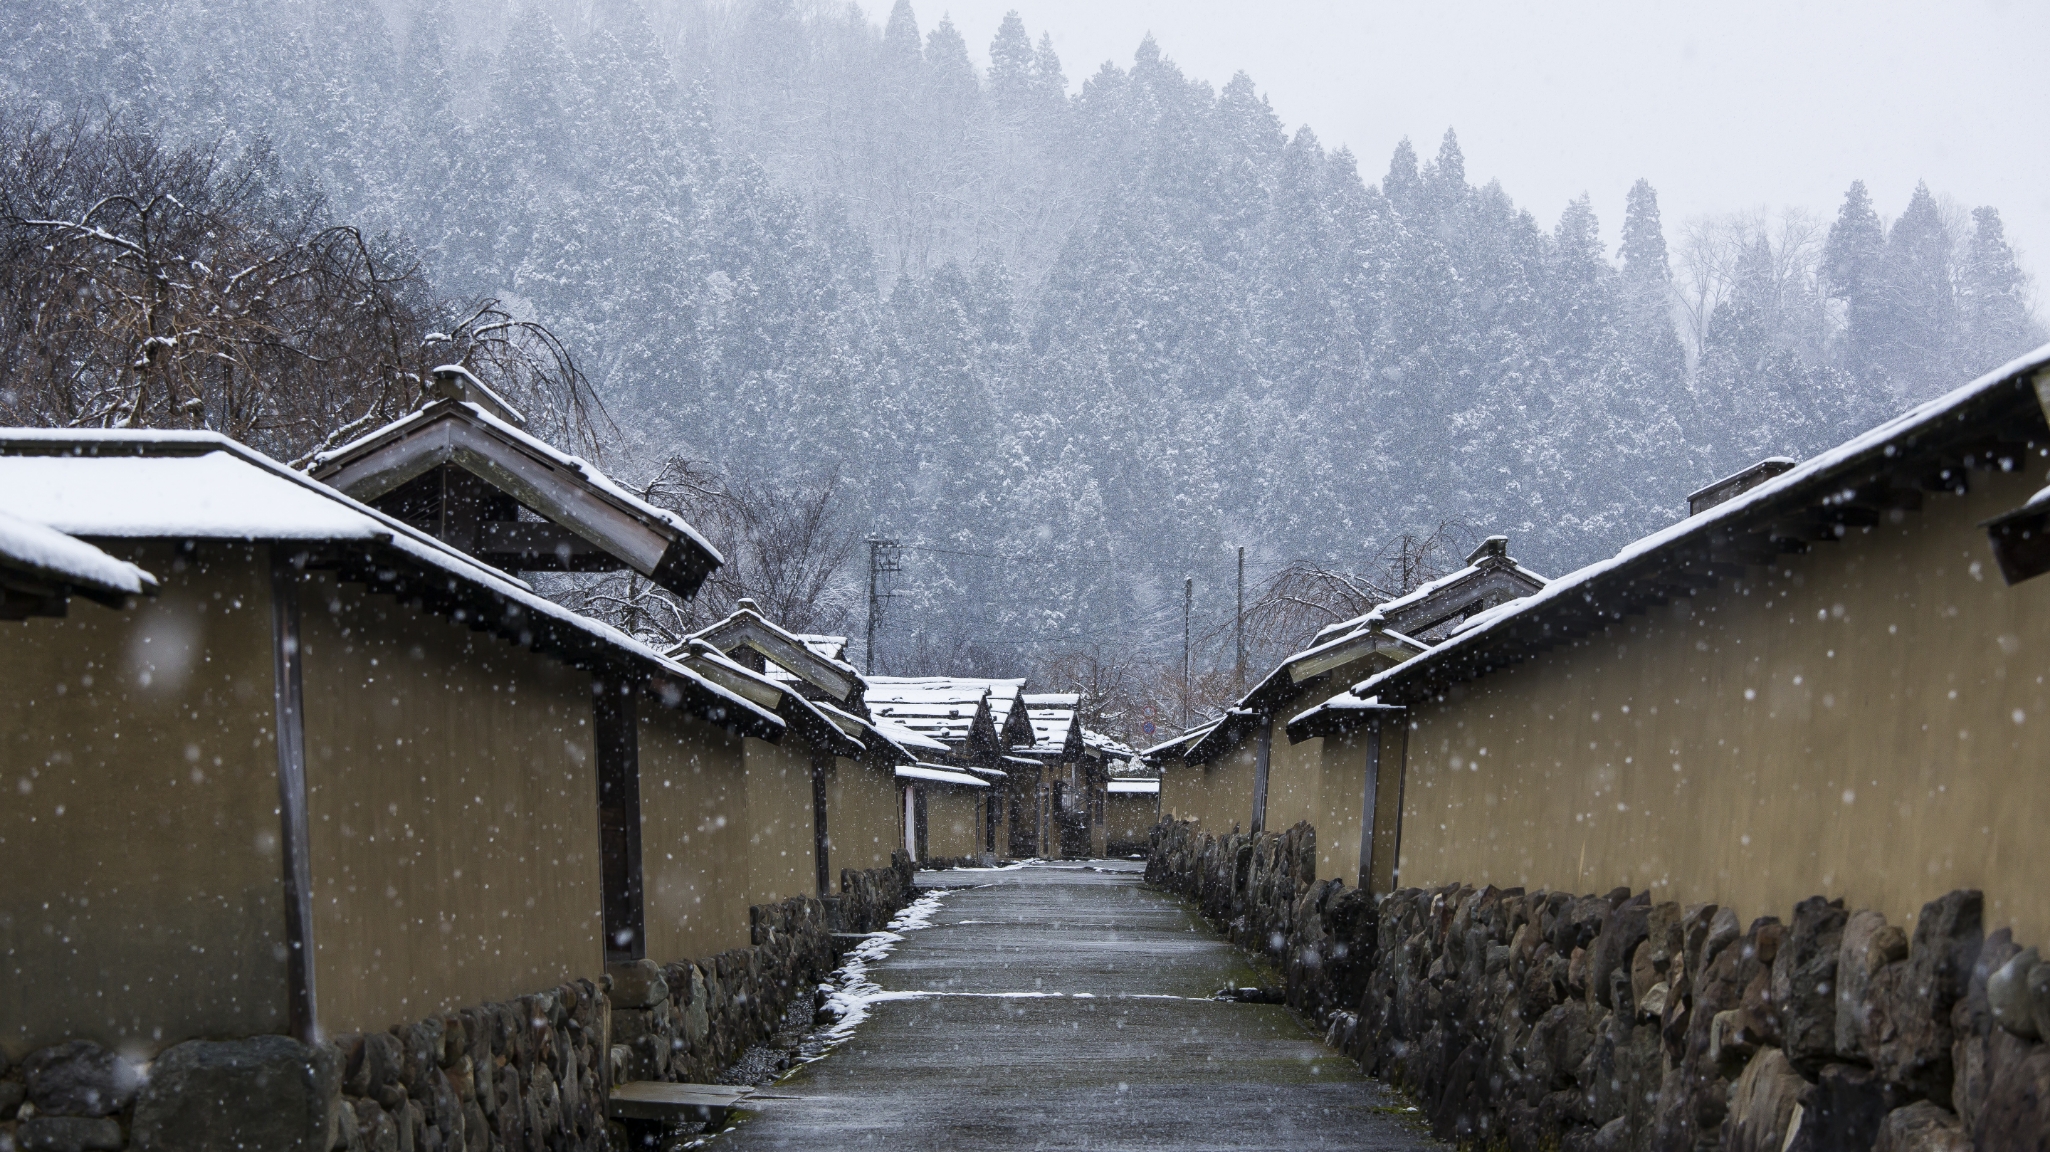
{"points": [[1541, 1020], [525, 1075]]}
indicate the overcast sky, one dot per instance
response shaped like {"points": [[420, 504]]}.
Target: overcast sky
{"points": [[1730, 106]]}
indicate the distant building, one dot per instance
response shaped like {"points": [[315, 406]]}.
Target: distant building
{"points": [[1233, 773]]}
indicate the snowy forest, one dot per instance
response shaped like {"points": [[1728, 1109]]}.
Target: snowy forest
{"points": [[815, 280]]}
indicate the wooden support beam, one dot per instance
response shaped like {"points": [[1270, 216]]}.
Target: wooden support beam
{"points": [[288, 686], [614, 723]]}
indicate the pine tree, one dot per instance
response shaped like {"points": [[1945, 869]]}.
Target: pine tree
{"points": [[1645, 290], [1993, 295], [1918, 329], [1402, 185], [1012, 82], [1850, 272]]}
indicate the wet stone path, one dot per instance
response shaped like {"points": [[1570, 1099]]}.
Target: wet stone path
{"points": [[1068, 1006]]}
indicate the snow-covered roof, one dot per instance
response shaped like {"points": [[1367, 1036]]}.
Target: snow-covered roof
{"points": [[789, 657], [1336, 716], [146, 484], [1601, 592], [1393, 610], [1052, 715], [1176, 747], [938, 775], [1107, 747], [1003, 696], [940, 713], [1376, 639], [907, 739], [823, 730], [654, 541], [47, 556], [827, 647], [1130, 785], [202, 491]]}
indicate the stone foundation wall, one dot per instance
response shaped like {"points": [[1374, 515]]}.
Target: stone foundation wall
{"points": [[869, 899], [1539, 1020], [525, 1075]]}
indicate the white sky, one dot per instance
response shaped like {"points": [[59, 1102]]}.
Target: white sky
{"points": [[1722, 107]]}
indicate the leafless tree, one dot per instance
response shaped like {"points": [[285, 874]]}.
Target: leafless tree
{"points": [[1709, 250], [149, 286], [1303, 598], [788, 547]]}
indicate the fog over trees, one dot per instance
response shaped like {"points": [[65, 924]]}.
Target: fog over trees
{"points": [[1072, 345]]}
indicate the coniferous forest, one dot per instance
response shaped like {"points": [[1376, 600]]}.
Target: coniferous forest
{"points": [[1071, 342]]}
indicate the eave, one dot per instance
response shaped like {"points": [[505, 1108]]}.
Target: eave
{"points": [[1994, 422], [448, 432]]}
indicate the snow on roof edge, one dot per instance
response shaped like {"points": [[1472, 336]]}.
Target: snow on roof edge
{"points": [[416, 544], [48, 552], [1927, 412]]}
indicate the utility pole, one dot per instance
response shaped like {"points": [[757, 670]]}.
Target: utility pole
{"points": [[882, 558], [1188, 604], [1239, 669]]}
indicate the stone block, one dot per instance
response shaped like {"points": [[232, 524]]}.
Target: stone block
{"points": [[69, 1134], [1762, 1104], [269, 1092], [1922, 1127], [1868, 945], [79, 1078], [1664, 944], [1912, 999], [1804, 983], [2016, 1112], [1844, 1111], [2008, 998]]}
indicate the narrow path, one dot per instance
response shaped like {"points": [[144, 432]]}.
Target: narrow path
{"points": [[1067, 1006]]}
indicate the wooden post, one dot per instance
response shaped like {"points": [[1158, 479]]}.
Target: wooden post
{"points": [[1401, 784], [614, 711], [911, 821], [1263, 748], [302, 1006], [1373, 731], [821, 843]]}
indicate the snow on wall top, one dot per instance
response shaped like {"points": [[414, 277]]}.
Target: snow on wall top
{"points": [[209, 496], [1573, 585], [937, 774], [207, 486], [44, 551], [1387, 609]]}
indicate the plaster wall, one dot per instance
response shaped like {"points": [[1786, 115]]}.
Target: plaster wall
{"points": [[694, 831], [953, 820], [779, 820], [1216, 795], [864, 817], [1129, 817], [139, 838], [452, 808], [1867, 720]]}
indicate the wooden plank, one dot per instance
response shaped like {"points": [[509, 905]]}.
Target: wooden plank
{"points": [[288, 685], [614, 713], [656, 1100]]}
